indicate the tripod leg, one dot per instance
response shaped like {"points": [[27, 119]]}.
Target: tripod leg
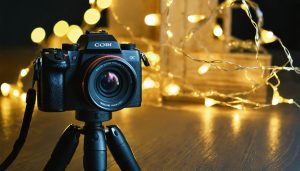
{"points": [[94, 147], [64, 149], [120, 149]]}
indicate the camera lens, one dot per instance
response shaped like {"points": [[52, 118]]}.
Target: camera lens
{"points": [[109, 82]]}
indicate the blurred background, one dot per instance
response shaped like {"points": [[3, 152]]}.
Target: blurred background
{"points": [[19, 18]]}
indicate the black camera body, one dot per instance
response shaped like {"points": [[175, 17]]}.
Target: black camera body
{"points": [[96, 74]]}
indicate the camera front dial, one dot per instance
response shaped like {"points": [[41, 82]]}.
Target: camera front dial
{"points": [[108, 82]]}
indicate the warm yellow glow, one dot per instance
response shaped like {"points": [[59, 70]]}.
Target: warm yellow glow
{"points": [[148, 83], [290, 101], [24, 72], [244, 7], [239, 107], [170, 33], [92, 16], [61, 28], [274, 134], [152, 19], [104, 3], [74, 32], [172, 89], [91, 1], [236, 123], [16, 93], [153, 58], [267, 36], [38, 35], [203, 69], [195, 18], [208, 102], [218, 31], [276, 98], [23, 97], [5, 88]]}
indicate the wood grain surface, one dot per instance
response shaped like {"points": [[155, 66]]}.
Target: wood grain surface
{"points": [[171, 138]]}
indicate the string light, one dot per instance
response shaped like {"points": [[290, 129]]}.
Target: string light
{"points": [[102, 4], [172, 89], [203, 69], [24, 72], [38, 35], [60, 29], [23, 97], [5, 88], [74, 33], [152, 19], [208, 102], [16, 93], [195, 18], [218, 31], [149, 83], [92, 16], [234, 100], [267, 36]]}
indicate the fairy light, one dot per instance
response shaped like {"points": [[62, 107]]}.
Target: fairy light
{"points": [[152, 19], [195, 18], [203, 69], [23, 97], [172, 89], [74, 33], [5, 89], [102, 4], [233, 100], [16, 93], [267, 36], [148, 83], [152, 57], [24, 72], [38, 35], [60, 29], [218, 31], [169, 33], [92, 16], [208, 102]]}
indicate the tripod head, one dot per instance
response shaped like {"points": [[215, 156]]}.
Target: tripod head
{"points": [[93, 116]]}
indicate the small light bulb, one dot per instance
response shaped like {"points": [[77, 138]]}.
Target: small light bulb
{"points": [[152, 19], [195, 18], [148, 83], [290, 101], [172, 89], [104, 3], [91, 1], [60, 29], [267, 36], [153, 57], [218, 31], [24, 72], [170, 33], [38, 35], [74, 32], [16, 93], [5, 88], [208, 102], [239, 107], [203, 69], [23, 97]]}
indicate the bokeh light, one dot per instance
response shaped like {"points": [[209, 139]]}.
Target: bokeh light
{"points": [[74, 33], [38, 35], [152, 19], [5, 88], [172, 89], [218, 31], [92, 16], [61, 28], [104, 3]]}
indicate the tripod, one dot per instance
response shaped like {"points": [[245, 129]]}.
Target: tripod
{"points": [[95, 139]]}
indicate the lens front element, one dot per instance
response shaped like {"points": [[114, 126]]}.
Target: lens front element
{"points": [[109, 82]]}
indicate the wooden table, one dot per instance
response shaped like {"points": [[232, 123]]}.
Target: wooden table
{"points": [[176, 138]]}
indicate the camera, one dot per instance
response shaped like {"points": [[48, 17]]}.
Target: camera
{"points": [[95, 74]]}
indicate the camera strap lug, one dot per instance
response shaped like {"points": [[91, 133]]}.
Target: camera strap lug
{"points": [[144, 59], [37, 66]]}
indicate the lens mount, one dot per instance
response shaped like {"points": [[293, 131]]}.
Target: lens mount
{"points": [[109, 82]]}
